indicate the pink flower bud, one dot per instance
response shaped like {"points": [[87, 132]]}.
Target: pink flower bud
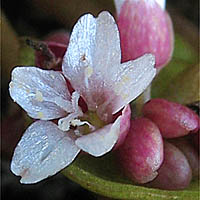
{"points": [[61, 37], [175, 172], [188, 150], [173, 119], [142, 152], [145, 28]]}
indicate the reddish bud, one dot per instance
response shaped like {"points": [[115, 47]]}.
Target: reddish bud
{"points": [[173, 119], [175, 172], [57, 44], [60, 37], [188, 150], [142, 152], [145, 28]]}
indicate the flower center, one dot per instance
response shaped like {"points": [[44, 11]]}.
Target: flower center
{"points": [[81, 125], [92, 120]]}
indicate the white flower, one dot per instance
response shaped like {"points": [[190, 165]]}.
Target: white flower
{"points": [[93, 66]]}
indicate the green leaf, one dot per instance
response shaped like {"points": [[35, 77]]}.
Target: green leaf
{"points": [[184, 56], [184, 88], [27, 54], [102, 176]]}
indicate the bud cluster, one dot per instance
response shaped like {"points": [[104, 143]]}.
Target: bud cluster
{"points": [[159, 149]]}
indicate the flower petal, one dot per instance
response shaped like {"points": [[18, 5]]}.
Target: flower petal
{"points": [[124, 126], [43, 94], [101, 141], [132, 79], [42, 151], [93, 51]]}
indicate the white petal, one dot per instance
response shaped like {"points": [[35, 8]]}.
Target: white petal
{"points": [[42, 151], [41, 93], [101, 141], [93, 51], [132, 78]]}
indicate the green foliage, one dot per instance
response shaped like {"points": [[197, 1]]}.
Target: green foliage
{"points": [[102, 176], [184, 57], [27, 54]]}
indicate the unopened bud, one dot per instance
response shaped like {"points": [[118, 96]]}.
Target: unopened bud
{"points": [[173, 119], [141, 154], [145, 27]]}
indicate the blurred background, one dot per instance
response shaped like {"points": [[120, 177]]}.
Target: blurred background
{"points": [[36, 19]]}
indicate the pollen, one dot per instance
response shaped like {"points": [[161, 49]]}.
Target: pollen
{"points": [[125, 79], [125, 96], [27, 90], [40, 115], [38, 96], [120, 85], [88, 71]]}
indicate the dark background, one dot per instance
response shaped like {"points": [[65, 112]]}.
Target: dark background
{"points": [[29, 20]]}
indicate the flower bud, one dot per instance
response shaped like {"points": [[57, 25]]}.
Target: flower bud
{"points": [[188, 150], [145, 28], [173, 119], [175, 172], [141, 154], [61, 37], [57, 44]]}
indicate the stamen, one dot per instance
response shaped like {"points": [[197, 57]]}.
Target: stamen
{"points": [[78, 122], [64, 123], [75, 99]]}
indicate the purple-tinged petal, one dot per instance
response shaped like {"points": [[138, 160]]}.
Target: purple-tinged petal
{"points": [[42, 151], [101, 141], [92, 64], [43, 94], [92, 56], [131, 79], [124, 126]]}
